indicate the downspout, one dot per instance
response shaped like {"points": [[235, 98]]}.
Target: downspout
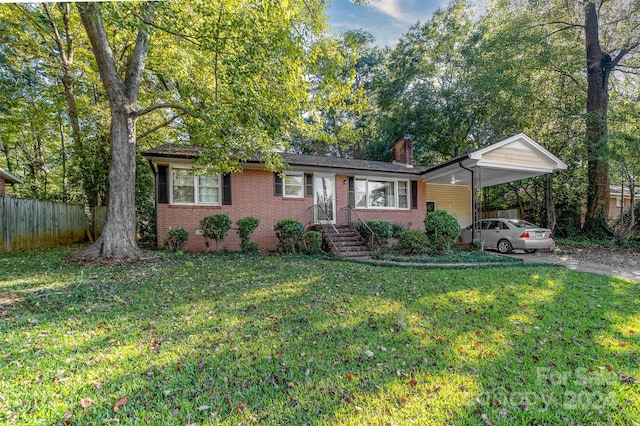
{"points": [[474, 209]]}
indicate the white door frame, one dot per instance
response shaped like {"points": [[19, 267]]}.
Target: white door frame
{"points": [[331, 178]]}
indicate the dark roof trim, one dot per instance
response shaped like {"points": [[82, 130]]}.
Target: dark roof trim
{"points": [[173, 151]]}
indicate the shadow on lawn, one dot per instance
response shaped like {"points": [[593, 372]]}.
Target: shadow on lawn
{"points": [[293, 341]]}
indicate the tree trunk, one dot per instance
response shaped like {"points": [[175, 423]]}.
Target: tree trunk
{"points": [[118, 239], [598, 71]]}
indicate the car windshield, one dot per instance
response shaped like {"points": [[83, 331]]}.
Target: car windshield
{"points": [[522, 224]]}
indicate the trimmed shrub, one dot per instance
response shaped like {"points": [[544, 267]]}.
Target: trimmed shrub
{"points": [[412, 242], [313, 242], [176, 239], [246, 226], [442, 229], [289, 233], [215, 227]]}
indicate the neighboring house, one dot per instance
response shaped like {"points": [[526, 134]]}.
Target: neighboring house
{"points": [[7, 178], [320, 189], [616, 200]]}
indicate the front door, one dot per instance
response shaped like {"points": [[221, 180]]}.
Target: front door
{"points": [[325, 198]]}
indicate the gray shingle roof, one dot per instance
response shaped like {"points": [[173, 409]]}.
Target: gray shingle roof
{"points": [[189, 152]]}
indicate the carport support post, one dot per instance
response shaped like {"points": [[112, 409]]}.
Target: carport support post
{"points": [[475, 205], [548, 200]]}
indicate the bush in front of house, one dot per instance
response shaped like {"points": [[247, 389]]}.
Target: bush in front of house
{"points": [[313, 242], [176, 239], [397, 228], [246, 226], [442, 229], [382, 231], [412, 242], [289, 233], [215, 227]]}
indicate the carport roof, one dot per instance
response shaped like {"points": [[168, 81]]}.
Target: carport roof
{"points": [[512, 159]]}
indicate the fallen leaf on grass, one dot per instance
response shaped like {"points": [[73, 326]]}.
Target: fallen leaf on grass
{"points": [[625, 378], [623, 344], [86, 402], [120, 403]]}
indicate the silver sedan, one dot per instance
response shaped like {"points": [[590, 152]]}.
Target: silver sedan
{"points": [[505, 235]]}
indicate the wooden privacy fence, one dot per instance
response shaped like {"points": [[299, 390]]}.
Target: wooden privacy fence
{"points": [[27, 224]]}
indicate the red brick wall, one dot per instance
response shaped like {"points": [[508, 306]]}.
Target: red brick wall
{"points": [[252, 195]]}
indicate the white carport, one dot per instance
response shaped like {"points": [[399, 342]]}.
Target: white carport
{"points": [[516, 158]]}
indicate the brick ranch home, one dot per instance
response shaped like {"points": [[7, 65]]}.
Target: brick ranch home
{"points": [[335, 191]]}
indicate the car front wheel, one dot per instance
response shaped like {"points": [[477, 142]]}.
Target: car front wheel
{"points": [[504, 247]]}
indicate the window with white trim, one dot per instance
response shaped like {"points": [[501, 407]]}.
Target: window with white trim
{"points": [[381, 193], [190, 188], [293, 185]]}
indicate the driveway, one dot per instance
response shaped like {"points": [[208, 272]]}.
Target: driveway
{"points": [[624, 264]]}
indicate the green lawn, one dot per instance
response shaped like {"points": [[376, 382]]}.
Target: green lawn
{"points": [[199, 339]]}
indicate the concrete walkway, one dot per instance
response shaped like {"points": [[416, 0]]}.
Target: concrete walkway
{"points": [[568, 262]]}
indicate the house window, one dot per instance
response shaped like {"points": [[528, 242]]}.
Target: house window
{"points": [[293, 186], [403, 195], [188, 188], [377, 193], [618, 202]]}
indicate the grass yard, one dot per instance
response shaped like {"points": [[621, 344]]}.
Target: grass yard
{"points": [[205, 339]]}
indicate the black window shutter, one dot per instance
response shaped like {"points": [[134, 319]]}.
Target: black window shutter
{"points": [[226, 189], [163, 187], [352, 192], [308, 188], [277, 184], [414, 194]]}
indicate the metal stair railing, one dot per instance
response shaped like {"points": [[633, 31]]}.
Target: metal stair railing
{"points": [[313, 219], [354, 220]]}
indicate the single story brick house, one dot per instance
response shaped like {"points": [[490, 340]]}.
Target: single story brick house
{"points": [[321, 189], [7, 178], [620, 200]]}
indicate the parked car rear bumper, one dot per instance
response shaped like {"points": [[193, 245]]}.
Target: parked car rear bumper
{"points": [[533, 243]]}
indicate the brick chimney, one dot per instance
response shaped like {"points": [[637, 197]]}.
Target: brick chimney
{"points": [[403, 151]]}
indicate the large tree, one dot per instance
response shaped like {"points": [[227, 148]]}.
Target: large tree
{"points": [[611, 31], [228, 70]]}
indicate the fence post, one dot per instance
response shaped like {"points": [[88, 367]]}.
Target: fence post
{"points": [[7, 224]]}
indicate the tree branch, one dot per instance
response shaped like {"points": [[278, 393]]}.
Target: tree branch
{"points": [[135, 69], [92, 22], [577, 82], [615, 61], [166, 105], [158, 127]]}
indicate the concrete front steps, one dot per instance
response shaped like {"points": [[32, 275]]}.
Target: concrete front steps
{"points": [[346, 241]]}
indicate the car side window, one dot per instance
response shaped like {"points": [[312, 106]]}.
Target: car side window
{"points": [[503, 225], [485, 224]]}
